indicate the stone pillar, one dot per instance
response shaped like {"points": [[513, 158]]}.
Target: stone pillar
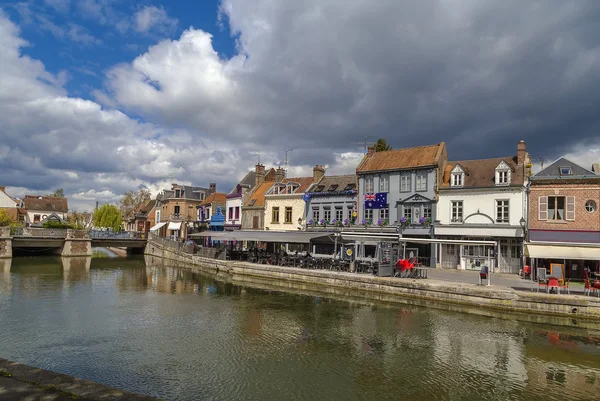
{"points": [[76, 268], [5, 243], [77, 243]]}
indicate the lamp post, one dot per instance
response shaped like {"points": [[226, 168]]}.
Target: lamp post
{"points": [[523, 224]]}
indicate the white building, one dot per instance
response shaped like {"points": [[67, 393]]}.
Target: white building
{"points": [[41, 207], [484, 200], [6, 201]]}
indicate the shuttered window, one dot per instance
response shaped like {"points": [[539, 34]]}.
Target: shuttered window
{"points": [[570, 215], [543, 208]]}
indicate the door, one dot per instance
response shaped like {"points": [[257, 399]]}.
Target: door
{"points": [[255, 222]]}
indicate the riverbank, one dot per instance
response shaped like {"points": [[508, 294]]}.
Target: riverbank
{"points": [[569, 309], [22, 382]]}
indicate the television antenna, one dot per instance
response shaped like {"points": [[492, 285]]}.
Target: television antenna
{"points": [[286, 159], [365, 142], [541, 160]]}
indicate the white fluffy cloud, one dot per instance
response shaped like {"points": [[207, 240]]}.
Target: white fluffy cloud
{"points": [[152, 18]]}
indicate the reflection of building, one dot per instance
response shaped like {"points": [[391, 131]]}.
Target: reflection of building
{"points": [[564, 220], [483, 200]]}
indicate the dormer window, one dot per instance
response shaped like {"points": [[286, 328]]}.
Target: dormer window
{"points": [[319, 188], [503, 173], [457, 177], [292, 187], [333, 187], [565, 171]]}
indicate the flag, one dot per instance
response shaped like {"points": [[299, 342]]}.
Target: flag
{"points": [[376, 201]]}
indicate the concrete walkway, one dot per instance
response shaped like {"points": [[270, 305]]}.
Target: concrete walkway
{"points": [[497, 279], [15, 390]]}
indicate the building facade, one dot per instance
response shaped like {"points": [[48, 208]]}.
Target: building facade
{"points": [[40, 208], [399, 189], [483, 200], [235, 201], [253, 209], [177, 209], [564, 221], [331, 202]]}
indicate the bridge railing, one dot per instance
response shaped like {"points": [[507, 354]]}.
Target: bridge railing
{"points": [[171, 244], [39, 232], [100, 234]]}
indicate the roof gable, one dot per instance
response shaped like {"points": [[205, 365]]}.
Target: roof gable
{"points": [[422, 156], [503, 166], [213, 198], [458, 169], [553, 170], [482, 173]]}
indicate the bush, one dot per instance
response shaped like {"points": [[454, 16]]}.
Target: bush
{"points": [[56, 225], [5, 219]]}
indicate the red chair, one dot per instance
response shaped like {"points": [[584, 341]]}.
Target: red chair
{"points": [[526, 271], [552, 283], [566, 286], [588, 290], [405, 268]]}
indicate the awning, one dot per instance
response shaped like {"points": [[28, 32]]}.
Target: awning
{"points": [[300, 237], [567, 251], [174, 226], [157, 226]]}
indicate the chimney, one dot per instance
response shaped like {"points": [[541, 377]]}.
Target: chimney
{"points": [[260, 174], [279, 174], [596, 168], [96, 205], [370, 150], [318, 173], [521, 153], [212, 187]]}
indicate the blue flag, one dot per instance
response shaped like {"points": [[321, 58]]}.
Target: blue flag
{"points": [[376, 201]]}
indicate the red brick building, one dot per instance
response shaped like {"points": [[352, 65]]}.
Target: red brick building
{"points": [[564, 220]]}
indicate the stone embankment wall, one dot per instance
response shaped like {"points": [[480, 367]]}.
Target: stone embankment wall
{"points": [[387, 288], [5, 243]]}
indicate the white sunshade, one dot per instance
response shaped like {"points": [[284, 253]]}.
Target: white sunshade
{"points": [[157, 226], [174, 226], [562, 252]]}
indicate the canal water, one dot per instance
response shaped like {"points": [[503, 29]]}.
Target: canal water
{"points": [[170, 333]]}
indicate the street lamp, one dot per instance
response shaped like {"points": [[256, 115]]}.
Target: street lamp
{"points": [[523, 224]]}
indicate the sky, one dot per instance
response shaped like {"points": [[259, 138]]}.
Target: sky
{"points": [[100, 97]]}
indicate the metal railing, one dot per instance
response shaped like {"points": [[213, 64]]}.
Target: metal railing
{"points": [[100, 234], [39, 232]]}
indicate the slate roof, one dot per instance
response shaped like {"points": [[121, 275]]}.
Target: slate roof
{"points": [[45, 203], [189, 192], [215, 197], [327, 183], [482, 173], [247, 182], [257, 198], [399, 159], [553, 170]]}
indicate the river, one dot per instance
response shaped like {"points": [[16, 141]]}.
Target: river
{"points": [[167, 332]]}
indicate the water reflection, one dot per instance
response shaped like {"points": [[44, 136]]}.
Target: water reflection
{"points": [[169, 332]]}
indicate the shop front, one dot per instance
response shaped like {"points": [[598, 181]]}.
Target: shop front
{"points": [[563, 260]]}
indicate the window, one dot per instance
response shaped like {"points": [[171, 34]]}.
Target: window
{"points": [[230, 213], [237, 212], [502, 177], [407, 212], [288, 214], [502, 211], [349, 214], [368, 214], [315, 213], [556, 208], [590, 206], [349, 187], [384, 214], [369, 188], [252, 202], [275, 215], [427, 211], [36, 218], [457, 179], [515, 251], [405, 183], [384, 183], [339, 213], [457, 211], [292, 188], [421, 182], [177, 209], [327, 214], [177, 193], [451, 249], [333, 188], [319, 188], [565, 171]]}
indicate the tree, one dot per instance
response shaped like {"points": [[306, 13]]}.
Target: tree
{"points": [[381, 145], [108, 216], [59, 193], [133, 201], [5, 219]]}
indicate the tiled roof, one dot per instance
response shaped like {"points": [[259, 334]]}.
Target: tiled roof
{"points": [[328, 183], [421, 156], [257, 198], [482, 173], [148, 206], [553, 170], [45, 203], [215, 197]]}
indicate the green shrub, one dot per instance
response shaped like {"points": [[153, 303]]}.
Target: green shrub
{"points": [[56, 225]]}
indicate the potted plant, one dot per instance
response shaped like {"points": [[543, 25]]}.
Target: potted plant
{"points": [[404, 222], [425, 221], [346, 222], [323, 222]]}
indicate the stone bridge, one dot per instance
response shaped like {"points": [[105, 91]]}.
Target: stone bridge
{"points": [[67, 242]]}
